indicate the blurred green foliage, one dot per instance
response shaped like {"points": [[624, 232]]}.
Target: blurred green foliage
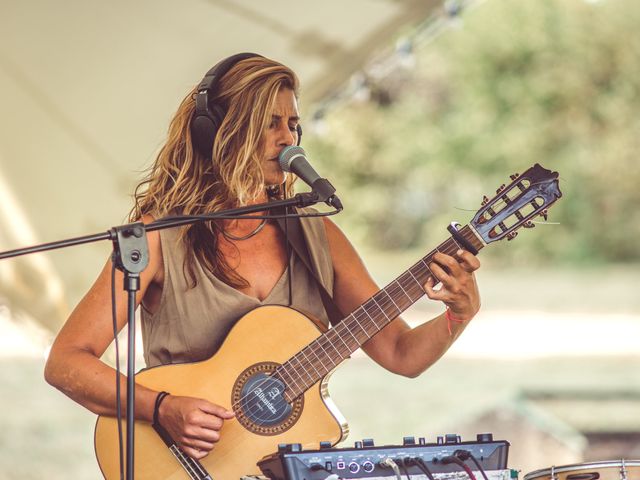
{"points": [[512, 83]]}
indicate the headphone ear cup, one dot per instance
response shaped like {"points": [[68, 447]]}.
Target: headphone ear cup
{"points": [[299, 130], [205, 125], [217, 114], [201, 127]]}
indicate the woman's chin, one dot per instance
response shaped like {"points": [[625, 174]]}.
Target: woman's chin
{"points": [[275, 178]]}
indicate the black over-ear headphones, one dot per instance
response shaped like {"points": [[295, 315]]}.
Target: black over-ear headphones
{"points": [[208, 116]]}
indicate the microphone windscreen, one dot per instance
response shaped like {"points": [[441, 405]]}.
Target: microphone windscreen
{"points": [[288, 154]]}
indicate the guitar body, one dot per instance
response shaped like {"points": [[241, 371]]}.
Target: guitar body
{"points": [[264, 338]]}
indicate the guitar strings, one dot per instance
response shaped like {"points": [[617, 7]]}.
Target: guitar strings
{"points": [[313, 349]]}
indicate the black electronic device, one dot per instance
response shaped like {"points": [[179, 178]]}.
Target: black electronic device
{"points": [[365, 460]]}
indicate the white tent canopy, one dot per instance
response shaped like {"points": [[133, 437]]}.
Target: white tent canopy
{"points": [[87, 91]]}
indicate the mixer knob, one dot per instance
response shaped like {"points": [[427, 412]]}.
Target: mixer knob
{"points": [[485, 437], [324, 445], [422, 441], [367, 442], [408, 440], [440, 440], [358, 444], [452, 438], [295, 447]]}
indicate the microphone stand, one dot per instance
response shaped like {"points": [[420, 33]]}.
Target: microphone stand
{"points": [[131, 256]]}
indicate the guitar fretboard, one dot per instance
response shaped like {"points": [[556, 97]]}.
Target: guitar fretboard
{"points": [[322, 355]]}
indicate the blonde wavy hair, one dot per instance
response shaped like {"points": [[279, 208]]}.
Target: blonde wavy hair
{"points": [[183, 181]]}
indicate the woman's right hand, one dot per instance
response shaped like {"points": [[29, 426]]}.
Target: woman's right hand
{"points": [[193, 423]]}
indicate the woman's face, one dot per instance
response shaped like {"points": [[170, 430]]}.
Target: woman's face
{"points": [[280, 133]]}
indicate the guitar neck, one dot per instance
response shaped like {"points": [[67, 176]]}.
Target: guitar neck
{"points": [[322, 355]]}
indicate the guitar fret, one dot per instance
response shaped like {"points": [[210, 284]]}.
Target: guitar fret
{"points": [[310, 348], [297, 371], [331, 343], [303, 369], [285, 370], [394, 303], [359, 324], [300, 384], [371, 320], [383, 312], [325, 353], [427, 267], [337, 334], [309, 361], [414, 278], [344, 325], [453, 245], [413, 286], [403, 290]]}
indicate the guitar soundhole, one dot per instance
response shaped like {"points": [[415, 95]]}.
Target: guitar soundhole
{"points": [[260, 403]]}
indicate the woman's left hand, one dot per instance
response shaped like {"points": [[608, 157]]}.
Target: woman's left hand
{"points": [[459, 290]]}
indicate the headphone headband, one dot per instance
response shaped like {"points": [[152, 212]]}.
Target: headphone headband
{"points": [[210, 80]]}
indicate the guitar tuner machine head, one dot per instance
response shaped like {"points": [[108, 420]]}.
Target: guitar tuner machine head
{"points": [[515, 205]]}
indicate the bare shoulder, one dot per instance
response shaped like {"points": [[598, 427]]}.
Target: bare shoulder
{"points": [[342, 250], [338, 241]]}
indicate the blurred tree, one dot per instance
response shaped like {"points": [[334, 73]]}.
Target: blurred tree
{"points": [[520, 81]]}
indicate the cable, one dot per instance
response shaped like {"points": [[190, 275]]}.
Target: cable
{"points": [[115, 339], [460, 463], [423, 466], [390, 463], [475, 460], [403, 463]]}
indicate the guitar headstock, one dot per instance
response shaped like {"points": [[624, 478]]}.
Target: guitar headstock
{"points": [[527, 196]]}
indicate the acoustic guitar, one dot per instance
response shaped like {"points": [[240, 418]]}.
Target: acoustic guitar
{"points": [[277, 383]]}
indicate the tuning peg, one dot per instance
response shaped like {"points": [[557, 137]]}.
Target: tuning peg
{"points": [[544, 213], [485, 200], [514, 176], [528, 224], [501, 188], [512, 235]]}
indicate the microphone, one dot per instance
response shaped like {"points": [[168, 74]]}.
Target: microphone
{"points": [[293, 159]]}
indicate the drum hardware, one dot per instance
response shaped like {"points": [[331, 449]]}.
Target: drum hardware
{"points": [[623, 471], [604, 470]]}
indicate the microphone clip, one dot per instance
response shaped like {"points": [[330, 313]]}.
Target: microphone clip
{"points": [[326, 193]]}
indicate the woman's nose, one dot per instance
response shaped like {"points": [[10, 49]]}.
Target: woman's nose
{"points": [[286, 136]]}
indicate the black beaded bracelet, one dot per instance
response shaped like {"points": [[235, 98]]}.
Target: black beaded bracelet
{"points": [[161, 396]]}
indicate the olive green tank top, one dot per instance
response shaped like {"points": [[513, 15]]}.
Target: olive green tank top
{"points": [[190, 324]]}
